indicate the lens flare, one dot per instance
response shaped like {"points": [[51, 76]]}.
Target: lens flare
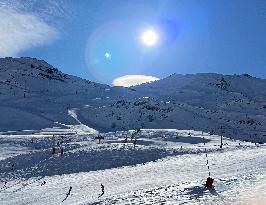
{"points": [[150, 37]]}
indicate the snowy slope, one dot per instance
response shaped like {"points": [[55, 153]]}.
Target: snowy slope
{"points": [[42, 108], [230, 105], [35, 95], [157, 171]]}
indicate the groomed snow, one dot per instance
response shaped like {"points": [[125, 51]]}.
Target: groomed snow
{"points": [[157, 171]]}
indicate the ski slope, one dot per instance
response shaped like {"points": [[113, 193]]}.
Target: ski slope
{"points": [[181, 117], [157, 171], [35, 95]]}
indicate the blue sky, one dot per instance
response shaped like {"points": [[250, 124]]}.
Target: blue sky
{"points": [[222, 36]]}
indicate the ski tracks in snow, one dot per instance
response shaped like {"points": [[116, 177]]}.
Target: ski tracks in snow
{"points": [[173, 180]]}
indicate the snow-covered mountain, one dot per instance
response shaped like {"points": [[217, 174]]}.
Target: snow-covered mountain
{"points": [[60, 160], [35, 95], [230, 105]]}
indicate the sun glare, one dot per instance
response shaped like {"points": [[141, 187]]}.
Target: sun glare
{"points": [[149, 38], [107, 56]]}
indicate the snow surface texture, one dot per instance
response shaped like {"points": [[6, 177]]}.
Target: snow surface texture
{"points": [[43, 108], [35, 95], [165, 167]]}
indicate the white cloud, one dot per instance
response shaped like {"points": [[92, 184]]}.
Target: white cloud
{"points": [[21, 31], [131, 80]]}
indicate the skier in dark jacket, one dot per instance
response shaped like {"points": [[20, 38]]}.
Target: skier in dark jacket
{"points": [[68, 193], [102, 191]]}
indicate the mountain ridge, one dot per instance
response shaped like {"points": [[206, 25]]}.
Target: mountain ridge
{"points": [[35, 95]]}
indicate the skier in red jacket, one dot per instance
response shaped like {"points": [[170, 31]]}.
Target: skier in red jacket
{"points": [[209, 182]]}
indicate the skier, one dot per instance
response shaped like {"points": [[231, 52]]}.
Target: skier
{"points": [[62, 151], [12, 167], [53, 145], [43, 183], [135, 142], [209, 182], [68, 193], [99, 137], [133, 136], [102, 191], [53, 149], [125, 141]]}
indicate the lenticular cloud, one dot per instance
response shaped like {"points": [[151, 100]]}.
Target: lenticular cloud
{"points": [[131, 80]]}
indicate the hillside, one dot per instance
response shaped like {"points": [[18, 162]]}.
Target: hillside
{"points": [[53, 156], [234, 106], [36, 95]]}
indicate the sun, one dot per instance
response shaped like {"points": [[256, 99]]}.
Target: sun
{"points": [[150, 37]]}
